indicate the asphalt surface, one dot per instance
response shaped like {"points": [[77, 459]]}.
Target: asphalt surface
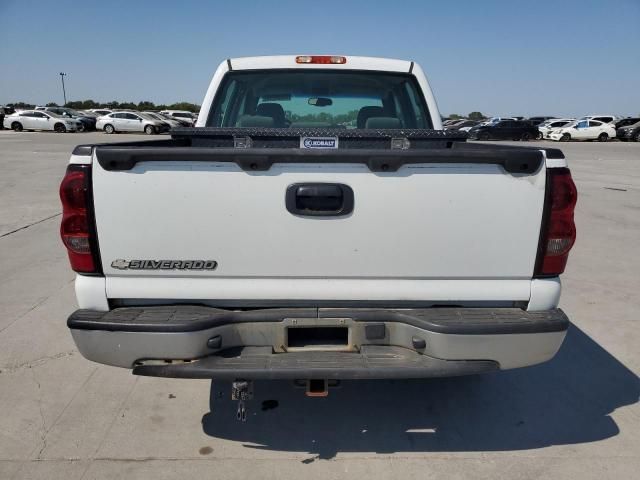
{"points": [[63, 417]]}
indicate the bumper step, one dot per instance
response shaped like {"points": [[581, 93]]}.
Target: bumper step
{"points": [[372, 362], [189, 318]]}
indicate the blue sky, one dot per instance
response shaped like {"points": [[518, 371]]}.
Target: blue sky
{"points": [[506, 57]]}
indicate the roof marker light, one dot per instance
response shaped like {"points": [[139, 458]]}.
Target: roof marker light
{"points": [[321, 59]]}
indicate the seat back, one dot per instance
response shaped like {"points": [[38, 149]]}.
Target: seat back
{"points": [[367, 112], [383, 122], [255, 121], [273, 110]]}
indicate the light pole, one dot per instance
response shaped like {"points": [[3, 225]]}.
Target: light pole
{"points": [[64, 93]]}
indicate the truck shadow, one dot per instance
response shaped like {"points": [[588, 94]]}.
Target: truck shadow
{"points": [[565, 401]]}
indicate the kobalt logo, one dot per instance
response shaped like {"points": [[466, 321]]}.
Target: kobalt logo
{"points": [[122, 264], [319, 142]]}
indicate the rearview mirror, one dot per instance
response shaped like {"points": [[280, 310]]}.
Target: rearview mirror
{"points": [[320, 102]]}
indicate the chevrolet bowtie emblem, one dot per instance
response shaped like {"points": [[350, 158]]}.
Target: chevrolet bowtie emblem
{"points": [[120, 264]]}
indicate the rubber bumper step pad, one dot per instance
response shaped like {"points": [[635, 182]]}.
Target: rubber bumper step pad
{"points": [[189, 318], [372, 362]]}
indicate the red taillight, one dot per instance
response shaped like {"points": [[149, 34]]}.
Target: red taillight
{"points": [[559, 230], [76, 227], [321, 59]]}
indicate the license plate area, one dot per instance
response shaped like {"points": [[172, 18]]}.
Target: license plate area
{"points": [[304, 337], [317, 334]]}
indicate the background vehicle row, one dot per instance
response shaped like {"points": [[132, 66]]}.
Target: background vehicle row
{"points": [[591, 127], [62, 119]]}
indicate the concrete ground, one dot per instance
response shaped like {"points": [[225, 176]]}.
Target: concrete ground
{"points": [[64, 417]]}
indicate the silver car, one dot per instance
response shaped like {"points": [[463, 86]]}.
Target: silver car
{"points": [[182, 115], [37, 120], [131, 122], [173, 123]]}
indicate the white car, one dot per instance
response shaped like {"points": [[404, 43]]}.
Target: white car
{"points": [[101, 111], [601, 118], [37, 120], [584, 130], [182, 114], [547, 127], [131, 122]]}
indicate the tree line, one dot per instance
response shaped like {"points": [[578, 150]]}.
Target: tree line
{"points": [[337, 119], [472, 116], [89, 104]]}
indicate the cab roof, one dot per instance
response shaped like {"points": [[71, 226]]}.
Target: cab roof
{"points": [[351, 63]]}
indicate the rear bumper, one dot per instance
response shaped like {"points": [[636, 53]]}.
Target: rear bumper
{"points": [[203, 342]]}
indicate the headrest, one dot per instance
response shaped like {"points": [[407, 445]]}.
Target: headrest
{"points": [[367, 112], [273, 110]]}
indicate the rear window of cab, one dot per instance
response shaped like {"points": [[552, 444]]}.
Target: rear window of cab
{"points": [[319, 99]]}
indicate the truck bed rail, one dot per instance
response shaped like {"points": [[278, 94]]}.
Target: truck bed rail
{"points": [[117, 158]]}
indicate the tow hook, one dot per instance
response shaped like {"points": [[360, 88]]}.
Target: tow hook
{"points": [[241, 390]]}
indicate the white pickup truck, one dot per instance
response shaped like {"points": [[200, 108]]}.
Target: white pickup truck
{"points": [[317, 224]]}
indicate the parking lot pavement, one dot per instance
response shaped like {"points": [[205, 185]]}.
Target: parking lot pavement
{"points": [[574, 417]]}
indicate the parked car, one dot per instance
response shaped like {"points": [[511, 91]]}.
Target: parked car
{"points": [[131, 122], [101, 111], [584, 130], [39, 120], [625, 122], [182, 114], [494, 120], [629, 132], [467, 124], [548, 126], [184, 122], [5, 111], [88, 113], [452, 123], [181, 279], [538, 120], [173, 122], [505, 130], [601, 118], [88, 122]]}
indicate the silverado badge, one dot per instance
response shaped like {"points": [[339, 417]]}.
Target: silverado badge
{"points": [[122, 264]]}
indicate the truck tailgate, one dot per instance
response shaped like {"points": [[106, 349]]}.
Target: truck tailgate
{"points": [[433, 220]]}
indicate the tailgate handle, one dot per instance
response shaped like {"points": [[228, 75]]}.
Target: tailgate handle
{"points": [[319, 199]]}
